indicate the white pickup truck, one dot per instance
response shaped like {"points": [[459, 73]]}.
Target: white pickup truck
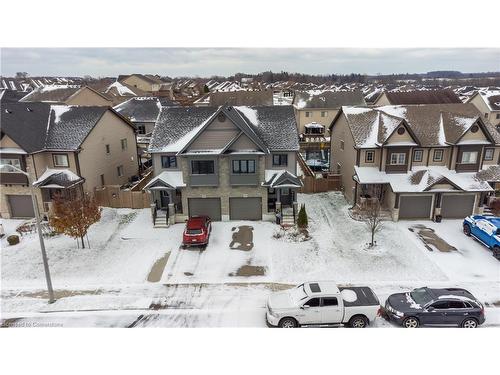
{"points": [[322, 303]]}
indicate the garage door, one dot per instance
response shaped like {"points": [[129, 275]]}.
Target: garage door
{"points": [[415, 207], [245, 208], [457, 206], [21, 206], [205, 206]]}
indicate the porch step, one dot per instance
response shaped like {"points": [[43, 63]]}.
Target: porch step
{"points": [[287, 220], [161, 222]]}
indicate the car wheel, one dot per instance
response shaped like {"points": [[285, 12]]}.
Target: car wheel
{"points": [[288, 323], [469, 323], [467, 229], [496, 252], [411, 322], [358, 322]]}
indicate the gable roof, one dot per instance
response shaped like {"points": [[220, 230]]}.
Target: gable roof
{"points": [[327, 99], [490, 97], [272, 128], [431, 124], [145, 77], [140, 109], [52, 93], [422, 97], [40, 126], [242, 97], [10, 96]]}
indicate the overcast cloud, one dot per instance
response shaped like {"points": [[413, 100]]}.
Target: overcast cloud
{"points": [[205, 62]]}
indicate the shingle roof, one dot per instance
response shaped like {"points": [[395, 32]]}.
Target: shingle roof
{"points": [[274, 127], [51, 93], [11, 96], [242, 97], [431, 124], [140, 109], [40, 126], [422, 97], [327, 99]]}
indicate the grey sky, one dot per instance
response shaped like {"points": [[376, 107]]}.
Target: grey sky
{"points": [[226, 61]]}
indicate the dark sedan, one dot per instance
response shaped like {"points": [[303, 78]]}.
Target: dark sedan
{"points": [[434, 307]]}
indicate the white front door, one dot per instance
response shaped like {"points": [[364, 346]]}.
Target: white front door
{"points": [[311, 314], [331, 312]]}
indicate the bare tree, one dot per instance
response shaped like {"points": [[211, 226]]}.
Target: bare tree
{"points": [[371, 216], [21, 74]]}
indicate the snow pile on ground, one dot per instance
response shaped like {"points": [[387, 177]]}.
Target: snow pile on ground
{"points": [[292, 234]]}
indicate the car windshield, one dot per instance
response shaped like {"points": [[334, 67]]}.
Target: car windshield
{"points": [[194, 231], [421, 296], [299, 293]]}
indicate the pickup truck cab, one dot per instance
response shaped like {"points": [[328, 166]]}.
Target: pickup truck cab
{"points": [[486, 229], [322, 303]]}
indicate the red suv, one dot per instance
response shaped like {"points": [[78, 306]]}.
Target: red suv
{"points": [[197, 231]]}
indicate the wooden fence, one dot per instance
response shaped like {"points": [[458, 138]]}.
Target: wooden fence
{"points": [[112, 196], [320, 185]]}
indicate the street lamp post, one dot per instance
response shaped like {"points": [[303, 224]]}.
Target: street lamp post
{"points": [[39, 229]]}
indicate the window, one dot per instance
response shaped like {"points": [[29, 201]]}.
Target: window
{"points": [[124, 143], [398, 158], [440, 305], [313, 302], [280, 160], [418, 155], [330, 301], [119, 169], [108, 149], [168, 161], [102, 180], [456, 305], [141, 129], [438, 155], [369, 156], [474, 128], [308, 114], [401, 130], [486, 115], [498, 116], [202, 166], [14, 162], [488, 153], [243, 166], [60, 160], [324, 113], [341, 145], [469, 157]]}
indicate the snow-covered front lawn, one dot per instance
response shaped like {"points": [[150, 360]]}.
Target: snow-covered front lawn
{"points": [[113, 273]]}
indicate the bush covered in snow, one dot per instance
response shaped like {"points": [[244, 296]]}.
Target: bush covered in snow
{"points": [[291, 234]]}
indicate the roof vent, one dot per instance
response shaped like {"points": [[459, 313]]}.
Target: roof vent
{"points": [[29, 109], [7, 111]]}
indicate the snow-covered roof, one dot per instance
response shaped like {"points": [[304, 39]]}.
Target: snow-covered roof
{"points": [[327, 99], [57, 178], [421, 179], [314, 125], [12, 150], [281, 178], [166, 179], [491, 98], [140, 109], [429, 124]]}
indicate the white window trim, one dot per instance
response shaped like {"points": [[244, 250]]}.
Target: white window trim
{"points": [[469, 161], [421, 152], [54, 159], [441, 158], [398, 156], [8, 162], [492, 150]]}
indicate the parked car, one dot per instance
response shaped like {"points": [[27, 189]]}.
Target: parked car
{"points": [[434, 307], [486, 229], [197, 231], [322, 303], [318, 165]]}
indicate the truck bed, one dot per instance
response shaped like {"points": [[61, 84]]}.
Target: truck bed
{"points": [[365, 296]]}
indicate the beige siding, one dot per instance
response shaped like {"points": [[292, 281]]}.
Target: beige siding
{"points": [[217, 135], [422, 163], [477, 136], [315, 116], [376, 161], [292, 162], [6, 141], [135, 81], [87, 97], [243, 143], [346, 157], [496, 157], [94, 161], [446, 156], [479, 103], [382, 100], [157, 167], [398, 138], [44, 160]]}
